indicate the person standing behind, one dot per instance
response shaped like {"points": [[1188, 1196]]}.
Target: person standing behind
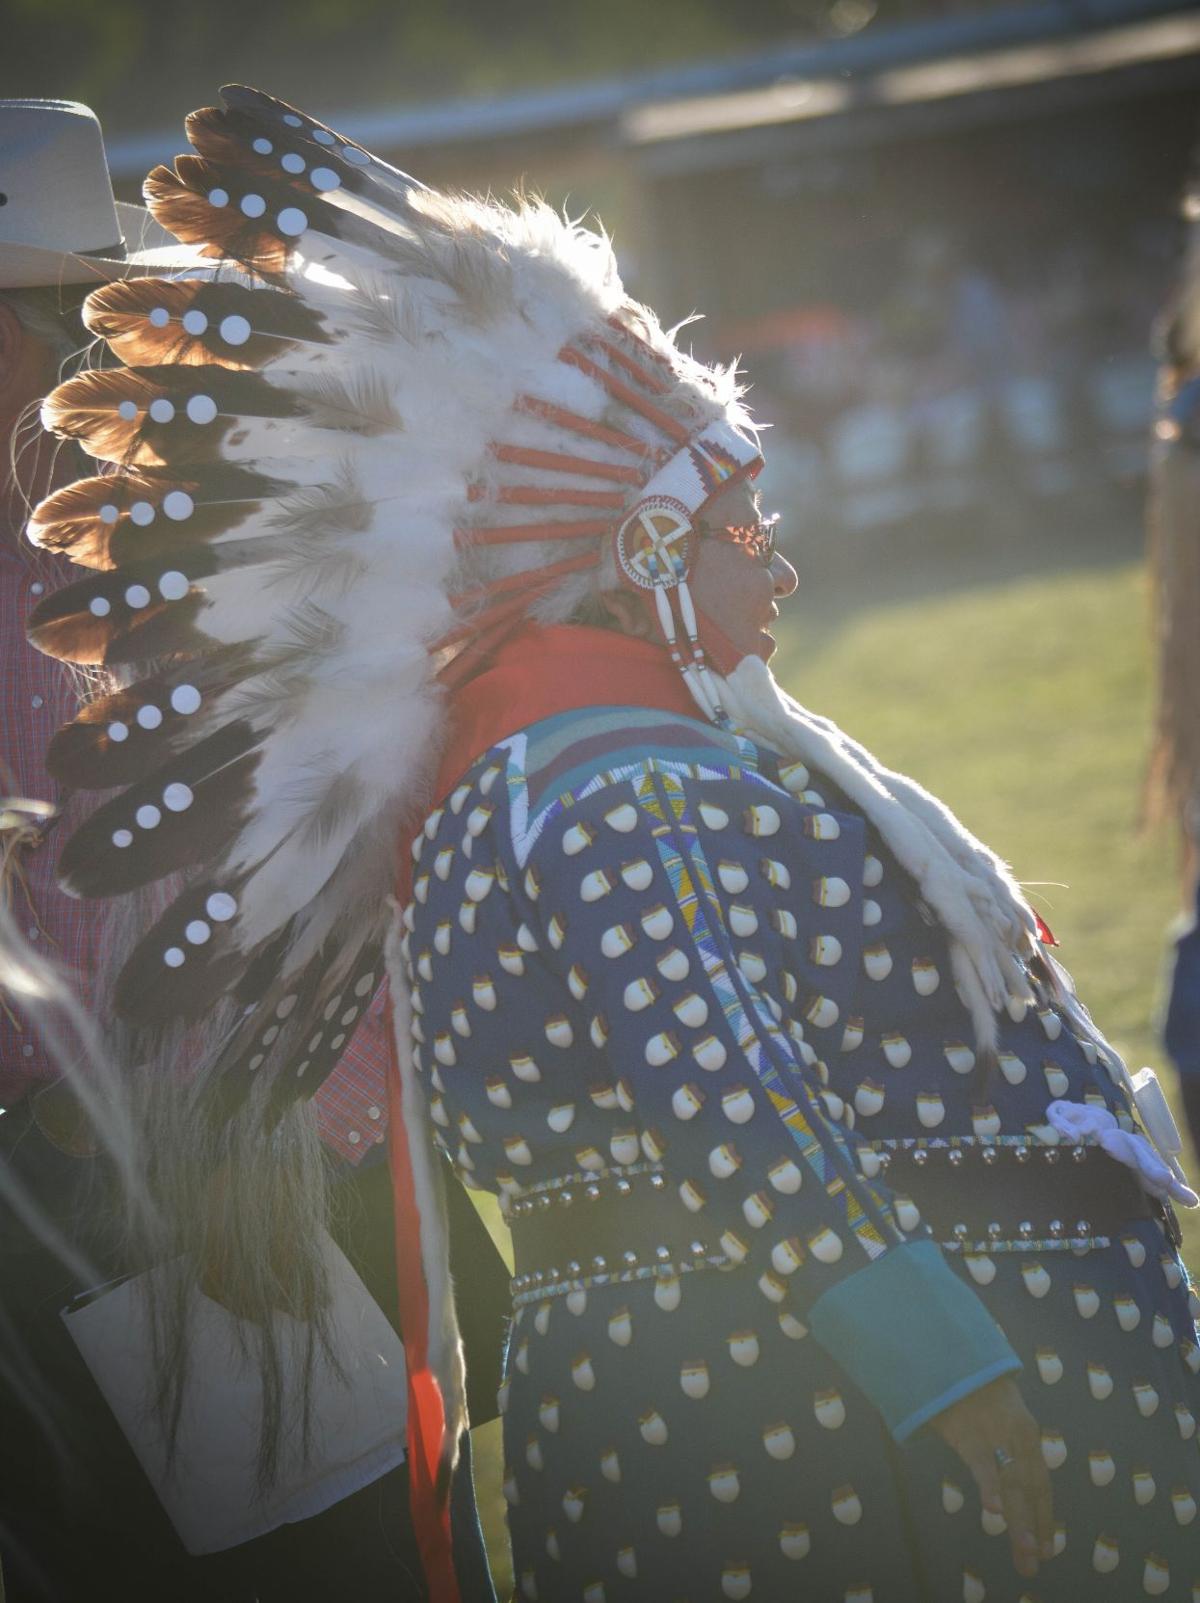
{"points": [[62, 1523], [61, 234], [1173, 785]]}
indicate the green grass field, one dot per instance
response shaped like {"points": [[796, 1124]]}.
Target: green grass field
{"points": [[1024, 703]]}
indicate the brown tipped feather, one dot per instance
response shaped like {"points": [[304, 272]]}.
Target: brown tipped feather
{"points": [[227, 136], [191, 822], [247, 221], [179, 200], [115, 518], [121, 314], [85, 408], [185, 214], [251, 112], [365, 174], [150, 991], [256, 237], [64, 626], [89, 406], [239, 327], [149, 608], [75, 521], [124, 737]]}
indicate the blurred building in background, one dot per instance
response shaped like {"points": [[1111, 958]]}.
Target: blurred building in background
{"points": [[938, 244], [942, 270]]}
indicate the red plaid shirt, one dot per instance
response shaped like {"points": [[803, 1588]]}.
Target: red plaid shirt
{"points": [[352, 1104], [37, 697]]}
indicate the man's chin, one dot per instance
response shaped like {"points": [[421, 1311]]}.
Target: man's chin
{"points": [[765, 646]]}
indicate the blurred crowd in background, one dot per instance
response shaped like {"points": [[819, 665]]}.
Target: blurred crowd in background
{"points": [[949, 322], [966, 379]]}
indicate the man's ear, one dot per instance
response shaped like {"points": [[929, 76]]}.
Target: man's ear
{"points": [[627, 613], [12, 340]]}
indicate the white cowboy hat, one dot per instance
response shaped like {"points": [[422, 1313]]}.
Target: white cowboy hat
{"points": [[59, 222]]}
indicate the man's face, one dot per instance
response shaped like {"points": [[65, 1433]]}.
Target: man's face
{"points": [[729, 583], [28, 372], [28, 368]]}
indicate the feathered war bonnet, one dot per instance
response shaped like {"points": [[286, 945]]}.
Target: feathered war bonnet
{"points": [[339, 464]]}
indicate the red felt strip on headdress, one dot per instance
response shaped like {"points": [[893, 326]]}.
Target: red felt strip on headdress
{"points": [[557, 462], [650, 381], [539, 579], [583, 425], [565, 495], [585, 528], [622, 392]]}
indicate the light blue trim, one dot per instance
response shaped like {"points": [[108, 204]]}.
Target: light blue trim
{"points": [[912, 1335], [964, 1388]]}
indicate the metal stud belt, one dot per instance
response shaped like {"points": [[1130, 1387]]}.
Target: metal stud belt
{"points": [[1016, 1201], [629, 1224], [588, 1228]]}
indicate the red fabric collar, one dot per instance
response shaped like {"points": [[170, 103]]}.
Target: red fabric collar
{"points": [[541, 671]]}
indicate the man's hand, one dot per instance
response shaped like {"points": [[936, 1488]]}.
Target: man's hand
{"points": [[998, 1440]]}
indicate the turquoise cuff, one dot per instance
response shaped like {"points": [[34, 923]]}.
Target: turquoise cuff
{"points": [[912, 1336]]}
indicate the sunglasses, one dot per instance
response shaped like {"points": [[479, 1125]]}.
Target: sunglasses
{"points": [[760, 538]]}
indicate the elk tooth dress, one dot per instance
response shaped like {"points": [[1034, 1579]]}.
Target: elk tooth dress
{"points": [[650, 966]]}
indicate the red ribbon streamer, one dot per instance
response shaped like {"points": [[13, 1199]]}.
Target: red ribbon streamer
{"points": [[426, 1426]]}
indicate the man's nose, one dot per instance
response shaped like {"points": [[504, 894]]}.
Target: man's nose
{"points": [[783, 576]]}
